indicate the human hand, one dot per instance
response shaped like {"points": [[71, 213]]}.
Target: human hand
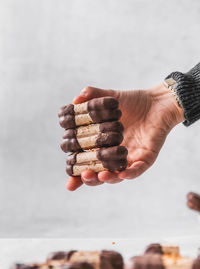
{"points": [[147, 117]]}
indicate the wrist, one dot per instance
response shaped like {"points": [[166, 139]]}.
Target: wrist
{"points": [[167, 98], [188, 92]]}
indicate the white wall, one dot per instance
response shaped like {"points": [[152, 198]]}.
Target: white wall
{"points": [[49, 51]]}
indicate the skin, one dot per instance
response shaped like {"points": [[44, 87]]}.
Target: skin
{"points": [[148, 116]]}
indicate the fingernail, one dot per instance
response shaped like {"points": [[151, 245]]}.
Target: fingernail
{"points": [[84, 92], [88, 179]]}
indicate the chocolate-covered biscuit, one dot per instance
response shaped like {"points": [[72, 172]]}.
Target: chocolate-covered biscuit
{"points": [[148, 261], [96, 141], [114, 258], [111, 158], [193, 201], [99, 259], [60, 255], [161, 256], [162, 249], [93, 136], [154, 249], [94, 111]]}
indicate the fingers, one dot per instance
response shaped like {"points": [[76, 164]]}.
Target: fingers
{"points": [[90, 178], [109, 177], [135, 170], [87, 177], [92, 92], [74, 183]]}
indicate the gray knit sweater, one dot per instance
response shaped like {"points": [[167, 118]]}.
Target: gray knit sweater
{"points": [[188, 91]]}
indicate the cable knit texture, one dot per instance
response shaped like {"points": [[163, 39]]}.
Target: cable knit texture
{"points": [[188, 91]]}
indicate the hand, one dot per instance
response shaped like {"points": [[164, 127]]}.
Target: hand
{"points": [[147, 116]]}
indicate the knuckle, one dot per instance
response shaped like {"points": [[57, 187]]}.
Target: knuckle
{"points": [[115, 94], [87, 89]]}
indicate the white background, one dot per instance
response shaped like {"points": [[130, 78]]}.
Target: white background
{"points": [[49, 51]]}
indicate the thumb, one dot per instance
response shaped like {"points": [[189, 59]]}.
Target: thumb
{"points": [[89, 93]]}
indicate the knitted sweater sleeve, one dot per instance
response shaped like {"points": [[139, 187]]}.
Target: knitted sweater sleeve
{"points": [[188, 92]]}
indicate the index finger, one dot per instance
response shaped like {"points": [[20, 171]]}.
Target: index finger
{"points": [[91, 92]]}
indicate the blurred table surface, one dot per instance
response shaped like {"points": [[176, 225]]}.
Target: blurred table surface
{"points": [[36, 250]]}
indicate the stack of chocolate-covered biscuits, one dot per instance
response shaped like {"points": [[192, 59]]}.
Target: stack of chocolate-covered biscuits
{"points": [[78, 260], [156, 256], [93, 135]]}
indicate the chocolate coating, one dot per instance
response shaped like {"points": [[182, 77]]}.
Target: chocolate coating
{"points": [[67, 116], [196, 264], [67, 121], [60, 255], [70, 145], [154, 249], [68, 109], [113, 126], [70, 133], [193, 201], [114, 258], [69, 170], [78, 265], [103, 103], [114, 153], [71, 160], [148, 261], [115, 165], [105, 115], [108, 139]]}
